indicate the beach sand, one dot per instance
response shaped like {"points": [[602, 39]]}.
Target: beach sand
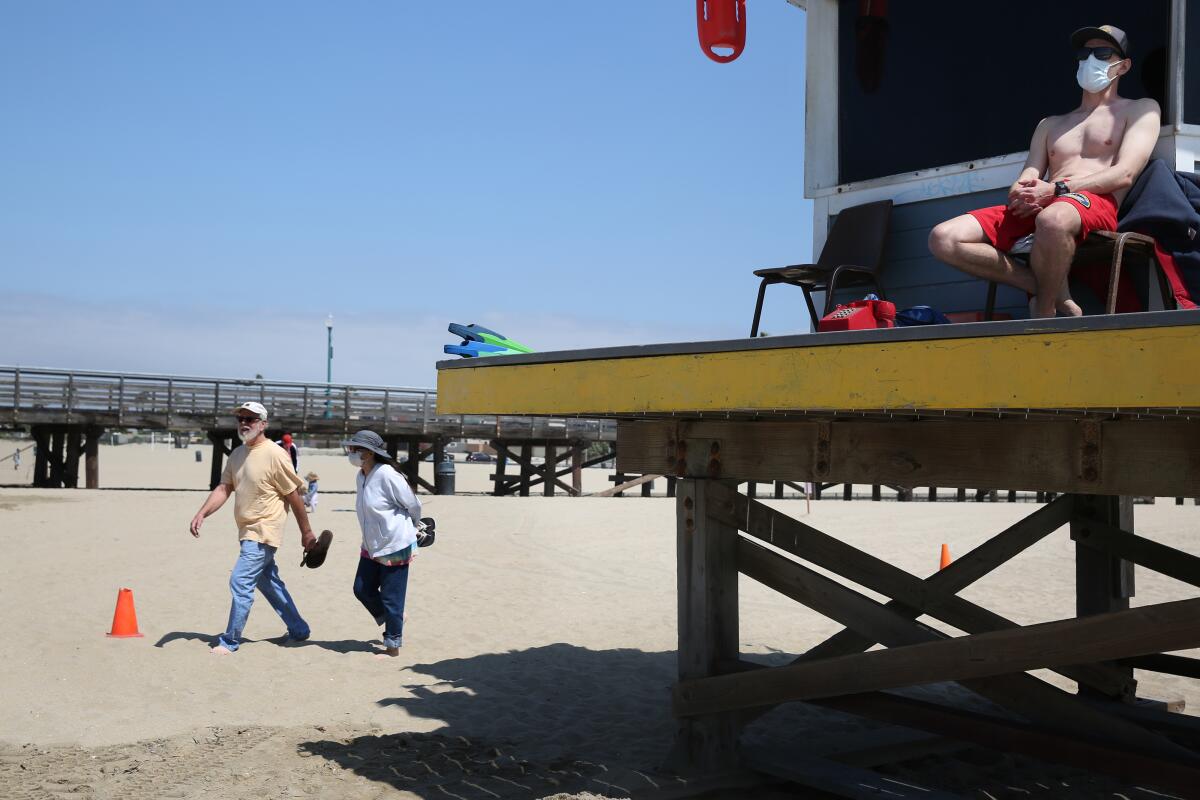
{"points": [[538, 656]]}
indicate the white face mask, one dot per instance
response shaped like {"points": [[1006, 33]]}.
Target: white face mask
{"points": [[1092, 75], [355, 458]]}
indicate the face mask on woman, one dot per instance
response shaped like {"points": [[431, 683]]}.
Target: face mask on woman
{"points": [[1092, 75], [355, 458]]}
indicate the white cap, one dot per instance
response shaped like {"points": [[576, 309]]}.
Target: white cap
{"points": [[253, 408]]}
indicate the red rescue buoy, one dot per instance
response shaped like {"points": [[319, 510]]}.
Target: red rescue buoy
{"points": [[721, 23]]}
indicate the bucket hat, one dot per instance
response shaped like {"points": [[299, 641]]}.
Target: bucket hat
{"points": [[368, 440]]}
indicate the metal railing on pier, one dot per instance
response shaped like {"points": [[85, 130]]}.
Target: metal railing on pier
{"points": [[40, 396]]}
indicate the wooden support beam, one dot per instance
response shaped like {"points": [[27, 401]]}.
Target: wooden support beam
{"points": [[912, 596], [1134, 457], [91, 461], [1103, 583], [74, 436], [548, 464], [1120, 634], [707, 577], [1166, 663], [56, 459], [1025, 694], [577, 469], [1121, 544], [1172, 774], [836, 778], [621, 487], [41, 456], [526, 464], [501, 486]]}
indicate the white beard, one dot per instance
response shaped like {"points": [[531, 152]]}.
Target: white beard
{"points": [[245, 436]]}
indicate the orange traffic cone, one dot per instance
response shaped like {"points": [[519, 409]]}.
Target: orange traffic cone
{"points": [[945, 556], [125, 618]]}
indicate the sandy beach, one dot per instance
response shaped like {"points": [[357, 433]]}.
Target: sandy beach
{"points": [[538, 656]]}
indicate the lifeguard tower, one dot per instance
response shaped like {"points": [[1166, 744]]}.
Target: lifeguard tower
{"points": [[1099, 408]]}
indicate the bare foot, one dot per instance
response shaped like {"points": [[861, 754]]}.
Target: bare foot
{"points": [[1033, 309], [391, 652], [221, 650], [1068, 308], [1064, 305]]}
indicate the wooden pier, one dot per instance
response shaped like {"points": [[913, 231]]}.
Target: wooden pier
{"points": [[67, 412], [1098, 409]]}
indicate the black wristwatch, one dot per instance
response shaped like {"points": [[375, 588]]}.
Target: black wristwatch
{"points": [[1060, 188]]}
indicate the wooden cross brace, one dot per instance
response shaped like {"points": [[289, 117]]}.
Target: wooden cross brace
{"points": [[992, 661]]}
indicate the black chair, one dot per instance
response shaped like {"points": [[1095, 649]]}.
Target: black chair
{"points": [[1115, 249], [852, 256]]}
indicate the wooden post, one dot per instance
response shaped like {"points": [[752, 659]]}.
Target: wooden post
{"points": [[671, 479], [577, 469], [526, 468], [412, 467], [707, 579], [647, 487], [848, 491], [933, 494], [752, 489], [1103, 582], [219, 451], [74, 437], [876, 492], [960, 495], [56, 459], [549, 467], [778, 490], [91, 460], [501, 449], [41, 456]]}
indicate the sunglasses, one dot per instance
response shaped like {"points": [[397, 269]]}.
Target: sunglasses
{"points": [[246, 420], [1102, 53]]}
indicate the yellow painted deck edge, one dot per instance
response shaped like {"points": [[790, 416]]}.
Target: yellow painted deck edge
{"points": [[1147, 367]]}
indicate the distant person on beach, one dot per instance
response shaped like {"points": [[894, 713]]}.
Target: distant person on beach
{"points": [[17, 459], [310, 494], [265, 486], [292, 451], [1080, 166], [388, 514]]}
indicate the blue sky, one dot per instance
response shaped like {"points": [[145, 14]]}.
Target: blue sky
{"points": [[192, 188]]}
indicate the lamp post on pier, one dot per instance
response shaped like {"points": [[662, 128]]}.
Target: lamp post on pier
{"points": [[328, 366]]}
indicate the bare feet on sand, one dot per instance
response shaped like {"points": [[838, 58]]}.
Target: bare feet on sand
{"points": [[221, 650], [391, 652]]}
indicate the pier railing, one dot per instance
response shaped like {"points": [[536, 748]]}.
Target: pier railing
{"points": [[41, 396]]}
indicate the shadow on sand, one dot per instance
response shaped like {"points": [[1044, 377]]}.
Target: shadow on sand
{"points": [[527, 723], [337, 645]]}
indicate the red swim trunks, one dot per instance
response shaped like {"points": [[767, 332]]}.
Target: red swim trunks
{"points": [[1097, 212]]}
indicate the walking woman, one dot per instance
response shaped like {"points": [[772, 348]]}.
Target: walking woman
{"points": [[388, 513]]}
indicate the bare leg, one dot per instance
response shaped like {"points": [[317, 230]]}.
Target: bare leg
{"points": [[1053, 251], [960, 242]]}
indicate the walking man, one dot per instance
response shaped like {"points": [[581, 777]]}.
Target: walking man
{"points": [[264, 485], [1080, 167]]}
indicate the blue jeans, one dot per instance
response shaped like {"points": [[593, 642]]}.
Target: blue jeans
{"points": [[255, 567], [382, 591]]}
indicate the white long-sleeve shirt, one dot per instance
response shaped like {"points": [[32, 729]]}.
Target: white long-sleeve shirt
{"points": [[388, 511]]}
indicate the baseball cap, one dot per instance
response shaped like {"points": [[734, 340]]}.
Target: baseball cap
{"points": [[1108, 32], [253, 408]]}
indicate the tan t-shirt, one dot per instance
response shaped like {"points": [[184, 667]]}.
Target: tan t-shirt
{"points": [[261, 476]]}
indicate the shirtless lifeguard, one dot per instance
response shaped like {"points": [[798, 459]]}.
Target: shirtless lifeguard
{"points": [[1080, 167]]}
